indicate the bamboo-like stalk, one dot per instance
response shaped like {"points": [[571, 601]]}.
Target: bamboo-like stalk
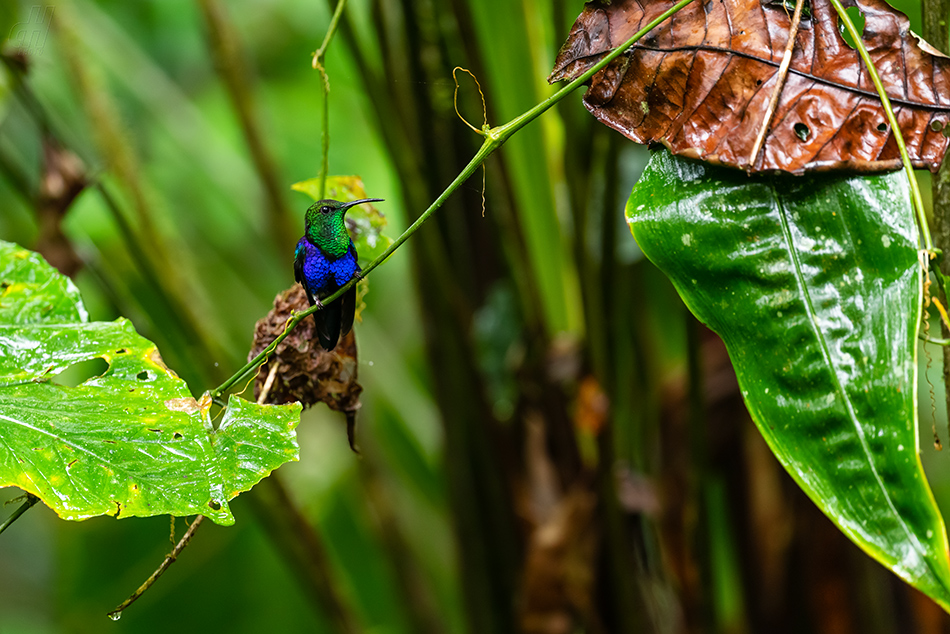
{"points": [[225, 48], [494, 139]]}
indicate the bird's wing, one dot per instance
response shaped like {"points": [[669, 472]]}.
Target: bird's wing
{"points": [[299, 256]]}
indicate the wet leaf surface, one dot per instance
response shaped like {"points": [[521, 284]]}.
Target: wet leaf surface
{"points": [[814, 286], [130, 442], [700, 84]]}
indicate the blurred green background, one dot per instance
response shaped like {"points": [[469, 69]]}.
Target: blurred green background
{"points": [[550, 442]]}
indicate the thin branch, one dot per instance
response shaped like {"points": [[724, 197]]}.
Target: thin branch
{"points": [[916, 201], [494, 139], [780, 83], [116, 614], [268, 384], [317, 63], [23, 508]]}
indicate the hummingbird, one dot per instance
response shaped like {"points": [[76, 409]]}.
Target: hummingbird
{"points": [[325, 260]]}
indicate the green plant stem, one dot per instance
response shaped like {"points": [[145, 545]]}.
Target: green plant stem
{"points": [[494, 139], [916, 201], [169, 560], [23, 508], [318, 65]]}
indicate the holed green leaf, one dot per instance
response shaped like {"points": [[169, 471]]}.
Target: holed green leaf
{"points": [[131, 442], [814, 285]]}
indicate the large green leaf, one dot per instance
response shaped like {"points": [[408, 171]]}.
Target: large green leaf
{"points": [[131, 442], [815, 287]]}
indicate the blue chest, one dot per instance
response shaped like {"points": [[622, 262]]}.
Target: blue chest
{"points": [[322, 274]]}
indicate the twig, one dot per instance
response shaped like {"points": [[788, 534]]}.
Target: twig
{"points": [[234, 72], [317, 63], [779, 85], [268, 383], [23, 508], [494, 139], [916, 201], [116, 614]]}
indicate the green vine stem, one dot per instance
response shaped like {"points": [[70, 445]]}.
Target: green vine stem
{"points": [[23, 508], [494, 139], [916, 201], [168, 561], [318, 66]]}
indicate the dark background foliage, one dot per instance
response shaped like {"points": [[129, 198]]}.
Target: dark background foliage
{"points": [[551, 443]]}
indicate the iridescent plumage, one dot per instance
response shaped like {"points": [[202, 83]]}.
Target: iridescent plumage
{"points": [[325, 259]]}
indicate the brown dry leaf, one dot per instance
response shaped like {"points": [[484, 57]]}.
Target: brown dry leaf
{"points": [[592, 406], [700, 84], [306, 372]]}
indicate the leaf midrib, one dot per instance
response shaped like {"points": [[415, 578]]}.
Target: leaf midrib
{"points": [[839, 388], [895, 100]]}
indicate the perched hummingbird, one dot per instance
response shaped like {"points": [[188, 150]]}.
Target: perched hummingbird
{"points": [[325, 260]]}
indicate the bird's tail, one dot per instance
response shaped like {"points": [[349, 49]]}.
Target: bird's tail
{"points": [[328, 321]]}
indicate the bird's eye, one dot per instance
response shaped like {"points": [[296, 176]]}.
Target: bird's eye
{"points": [[325, 209]]}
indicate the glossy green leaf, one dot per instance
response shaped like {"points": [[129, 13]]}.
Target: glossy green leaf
{"points": [[33, 292], [131, 442], [365, 222], [815, 287]]}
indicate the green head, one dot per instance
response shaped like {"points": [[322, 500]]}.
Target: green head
{"points": [[325, 227]]}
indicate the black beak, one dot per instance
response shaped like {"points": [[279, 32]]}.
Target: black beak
{"points": [[353, 203]]}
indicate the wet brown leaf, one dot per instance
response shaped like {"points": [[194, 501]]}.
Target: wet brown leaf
{"points": [[700, 84], [305, 371]]}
